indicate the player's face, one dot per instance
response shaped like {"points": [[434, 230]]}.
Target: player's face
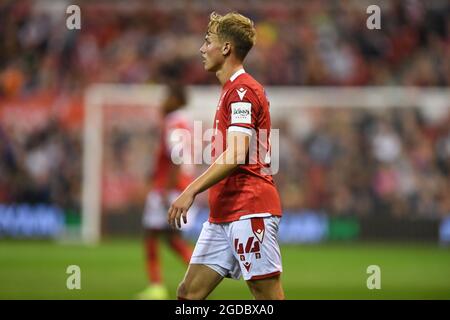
{"points": [[211, 51]]}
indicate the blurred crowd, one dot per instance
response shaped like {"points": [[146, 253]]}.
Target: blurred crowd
{"points": [[347, 162], [358, 162], [41, 166], [299, 43], [343, 162]]}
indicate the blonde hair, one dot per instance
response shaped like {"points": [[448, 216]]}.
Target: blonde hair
{"points": [[235, 28]]}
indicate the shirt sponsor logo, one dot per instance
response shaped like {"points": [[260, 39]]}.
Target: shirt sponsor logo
{"points": [[241, 112]]}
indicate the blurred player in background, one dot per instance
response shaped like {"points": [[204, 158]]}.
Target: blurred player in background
{"points": [[167, 182], [240, 237]]}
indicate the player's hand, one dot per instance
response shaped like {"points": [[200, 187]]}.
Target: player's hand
{"points": [[179, 209]]}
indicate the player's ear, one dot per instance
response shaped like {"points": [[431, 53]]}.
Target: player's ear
{"points": [[226, 48]]}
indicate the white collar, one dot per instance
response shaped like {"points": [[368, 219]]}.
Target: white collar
{"points": [[237, 74]]}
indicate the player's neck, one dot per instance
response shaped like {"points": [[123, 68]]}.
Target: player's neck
{"points": [[227, 70]]}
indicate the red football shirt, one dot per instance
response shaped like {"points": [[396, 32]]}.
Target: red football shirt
{"points": [[249, 191], [172, 121]]}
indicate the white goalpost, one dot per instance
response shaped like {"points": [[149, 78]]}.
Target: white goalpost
{"points": [[202, 101]]}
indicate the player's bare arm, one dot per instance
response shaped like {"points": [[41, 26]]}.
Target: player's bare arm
{"points": [[230, 159]]}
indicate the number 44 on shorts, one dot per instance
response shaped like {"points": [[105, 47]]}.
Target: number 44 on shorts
{"points": [[251, 246]]}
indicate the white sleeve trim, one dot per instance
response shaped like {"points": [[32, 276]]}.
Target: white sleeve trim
{"points": [[240, 129]]}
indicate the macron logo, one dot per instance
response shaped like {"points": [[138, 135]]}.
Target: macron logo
{"points": [[241, 93], [259, 234]]}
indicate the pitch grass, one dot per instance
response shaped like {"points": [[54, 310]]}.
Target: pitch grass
{"points": [[115, 270]]}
